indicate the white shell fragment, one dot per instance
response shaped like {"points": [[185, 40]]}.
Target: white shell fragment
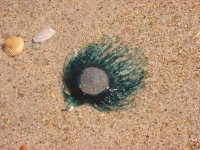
{"points": [[44, 35]]}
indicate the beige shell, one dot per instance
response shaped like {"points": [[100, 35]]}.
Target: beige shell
{"points": [[13, 46]]}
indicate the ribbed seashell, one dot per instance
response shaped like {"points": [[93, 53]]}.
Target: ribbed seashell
{"points": [[44, 34], [13, 46]]}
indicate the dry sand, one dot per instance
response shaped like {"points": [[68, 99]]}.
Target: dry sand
{"points": [[167, 115]]}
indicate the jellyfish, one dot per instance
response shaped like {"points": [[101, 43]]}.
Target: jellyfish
{"points": [[105, 75]]}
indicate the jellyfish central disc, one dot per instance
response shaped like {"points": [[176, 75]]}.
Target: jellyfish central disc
{"points": [[93, 81]]}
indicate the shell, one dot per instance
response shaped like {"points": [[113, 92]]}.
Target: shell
{"points": [[23, 147], [13, 46], [44, 35]]}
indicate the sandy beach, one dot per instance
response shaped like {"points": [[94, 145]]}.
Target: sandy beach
{"points": [[167, 112]]}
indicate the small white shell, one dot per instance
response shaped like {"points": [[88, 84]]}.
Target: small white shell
{"points": [[44, 35]]}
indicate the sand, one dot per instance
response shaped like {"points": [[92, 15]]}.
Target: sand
{"points": [[167, 114]]}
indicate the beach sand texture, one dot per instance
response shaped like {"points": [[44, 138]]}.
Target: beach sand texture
{"points": [[167, 114]]}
